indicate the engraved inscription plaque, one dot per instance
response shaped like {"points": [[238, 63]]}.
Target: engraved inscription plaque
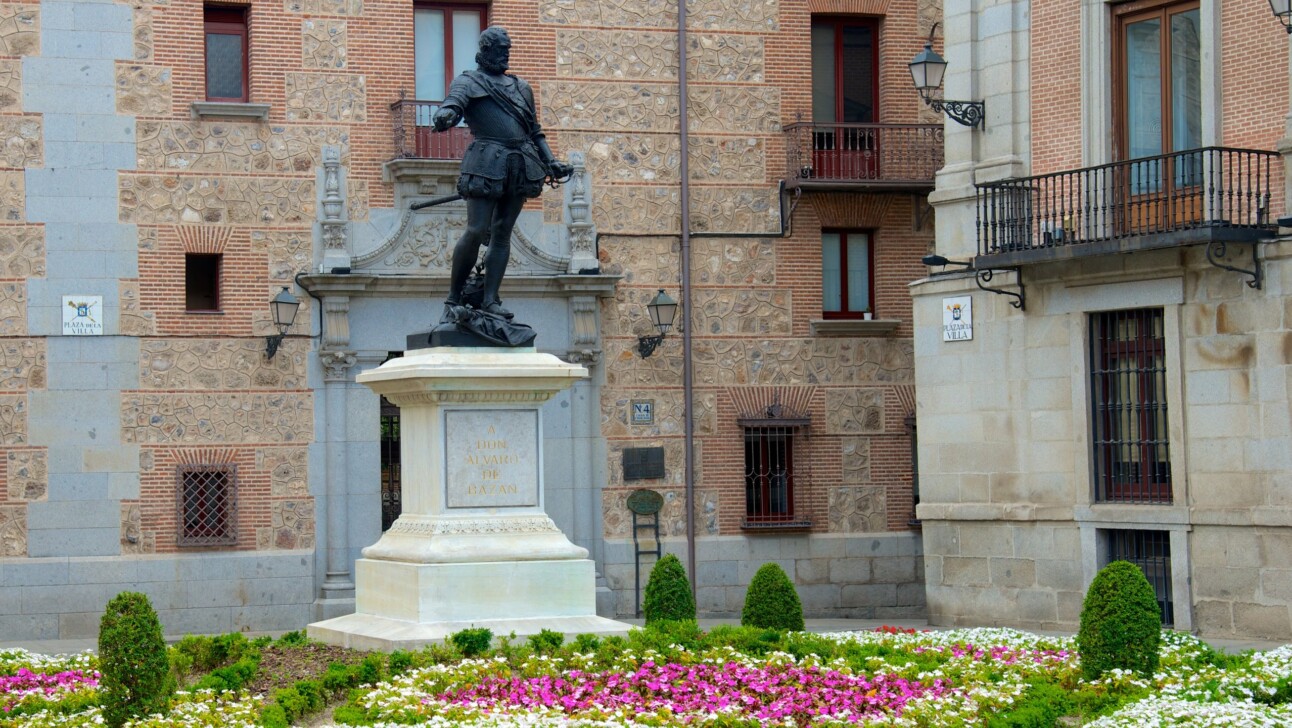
{"points": [[491, 458]]}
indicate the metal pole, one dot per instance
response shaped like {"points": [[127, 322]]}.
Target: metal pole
{"points": [[687, 383]]}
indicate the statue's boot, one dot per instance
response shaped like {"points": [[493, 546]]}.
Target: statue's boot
{"points": [[492, 304]]}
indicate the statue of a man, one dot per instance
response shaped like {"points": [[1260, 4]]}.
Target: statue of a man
{"points": [[507, 163]]}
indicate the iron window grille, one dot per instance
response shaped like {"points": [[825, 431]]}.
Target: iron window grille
{"points": [[1151, 552], [208, 505], [1128, 400], [770, 475], [391, 492]]}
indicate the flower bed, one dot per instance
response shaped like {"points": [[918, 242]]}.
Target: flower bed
{"points": [[736, 677]]}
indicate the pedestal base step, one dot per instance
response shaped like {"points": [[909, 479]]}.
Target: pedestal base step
{"points": [[370, 632]]}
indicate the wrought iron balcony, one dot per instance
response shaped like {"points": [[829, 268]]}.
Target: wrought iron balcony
{"points": [[856, 156], [414, 137], [1211, 195]]}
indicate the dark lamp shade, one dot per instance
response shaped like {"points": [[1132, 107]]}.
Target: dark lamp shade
{"points": [[928, 67], [283, 307], [663, 310], [1282, 10]]}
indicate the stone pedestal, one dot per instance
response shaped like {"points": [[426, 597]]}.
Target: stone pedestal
{"points": [[473, 546]]}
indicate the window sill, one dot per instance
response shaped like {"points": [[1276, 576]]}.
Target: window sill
{"points": [[227, 109], [202, 312], [759, 526], [854, 327]]}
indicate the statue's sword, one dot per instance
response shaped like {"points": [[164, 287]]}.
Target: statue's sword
{"points": [[434, 201]]}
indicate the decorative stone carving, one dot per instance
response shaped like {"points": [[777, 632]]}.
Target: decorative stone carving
{"points": [[584, 323], [134, 540], [748, 15], [22, 251], [13, 530], [220, 364], [857, 510], [353, 8], [325, 97], [28, 475], [288, 252], [332, 224], [143, 90], [652, 56], [337, 364], [725, 362], [854, 411], [19, 29], [583, 234], [291, 526], [609, 13], [424, 239], [235, 147], [483, 526], [616, 413], [323, 44], [132, 320], [151, 199], [288, 469], [22, 364], [11, 85], [21, 142], [618, 520], [13, 308], [607, 106], [217, 417], [856, 460]]}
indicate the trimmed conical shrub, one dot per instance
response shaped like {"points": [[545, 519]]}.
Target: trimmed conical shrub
{"points": [[1121, 623], [668, 592], [135, 675], [771, 601]]}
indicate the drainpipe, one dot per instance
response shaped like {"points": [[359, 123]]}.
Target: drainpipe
{"points": [[687, 379]]}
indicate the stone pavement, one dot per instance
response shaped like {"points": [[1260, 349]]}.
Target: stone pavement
{"points": [[1231, 646]]}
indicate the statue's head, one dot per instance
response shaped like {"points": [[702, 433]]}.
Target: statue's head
{"points": [[494, 55]]}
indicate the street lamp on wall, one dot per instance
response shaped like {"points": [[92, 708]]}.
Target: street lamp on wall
{"points": [[283, 309], [926, 73], [1283, 11], [663, 310]]}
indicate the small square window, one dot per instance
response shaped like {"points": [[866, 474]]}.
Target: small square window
{"points": [[201, 282], [207, 496], [1151, 552], [847, 274], [226, 53]]}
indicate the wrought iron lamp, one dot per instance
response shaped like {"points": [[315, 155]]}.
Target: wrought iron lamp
{"points": [[926, 72], [1283, 11], [283, 309], [663, 309], [983, 276]]}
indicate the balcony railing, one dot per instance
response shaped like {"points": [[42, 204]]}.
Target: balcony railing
{"points": [[414, 137], [894, 156], [1205, 195]]}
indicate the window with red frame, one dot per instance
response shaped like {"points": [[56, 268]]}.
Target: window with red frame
{"points": [[847, 274], [445, 40], [226, 52], [1128, 400]]}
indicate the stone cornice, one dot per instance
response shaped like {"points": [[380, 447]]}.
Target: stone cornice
{"points": [[366, 285]]}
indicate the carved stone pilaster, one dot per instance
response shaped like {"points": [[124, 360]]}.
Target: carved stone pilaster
{"points": [[337, 364], [336, 322], [583, 234], [333, 225], [585, 323]]}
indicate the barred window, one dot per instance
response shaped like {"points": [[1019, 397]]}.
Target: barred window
{"points": [[1128, 400], [770, 476], [207, 505], [1151, 552]]}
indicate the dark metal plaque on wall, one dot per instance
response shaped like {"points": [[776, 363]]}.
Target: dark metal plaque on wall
{"points": [[643, 463]]}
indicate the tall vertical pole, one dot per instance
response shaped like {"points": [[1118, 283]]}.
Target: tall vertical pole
{"points": [[687, 383]]}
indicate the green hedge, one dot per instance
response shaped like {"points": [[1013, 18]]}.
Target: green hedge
{"points": [[135, 674], [1121, 623], [668, 592], [771, 601]]}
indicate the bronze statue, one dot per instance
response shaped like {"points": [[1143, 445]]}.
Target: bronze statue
{"points": [[507, 162]]}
